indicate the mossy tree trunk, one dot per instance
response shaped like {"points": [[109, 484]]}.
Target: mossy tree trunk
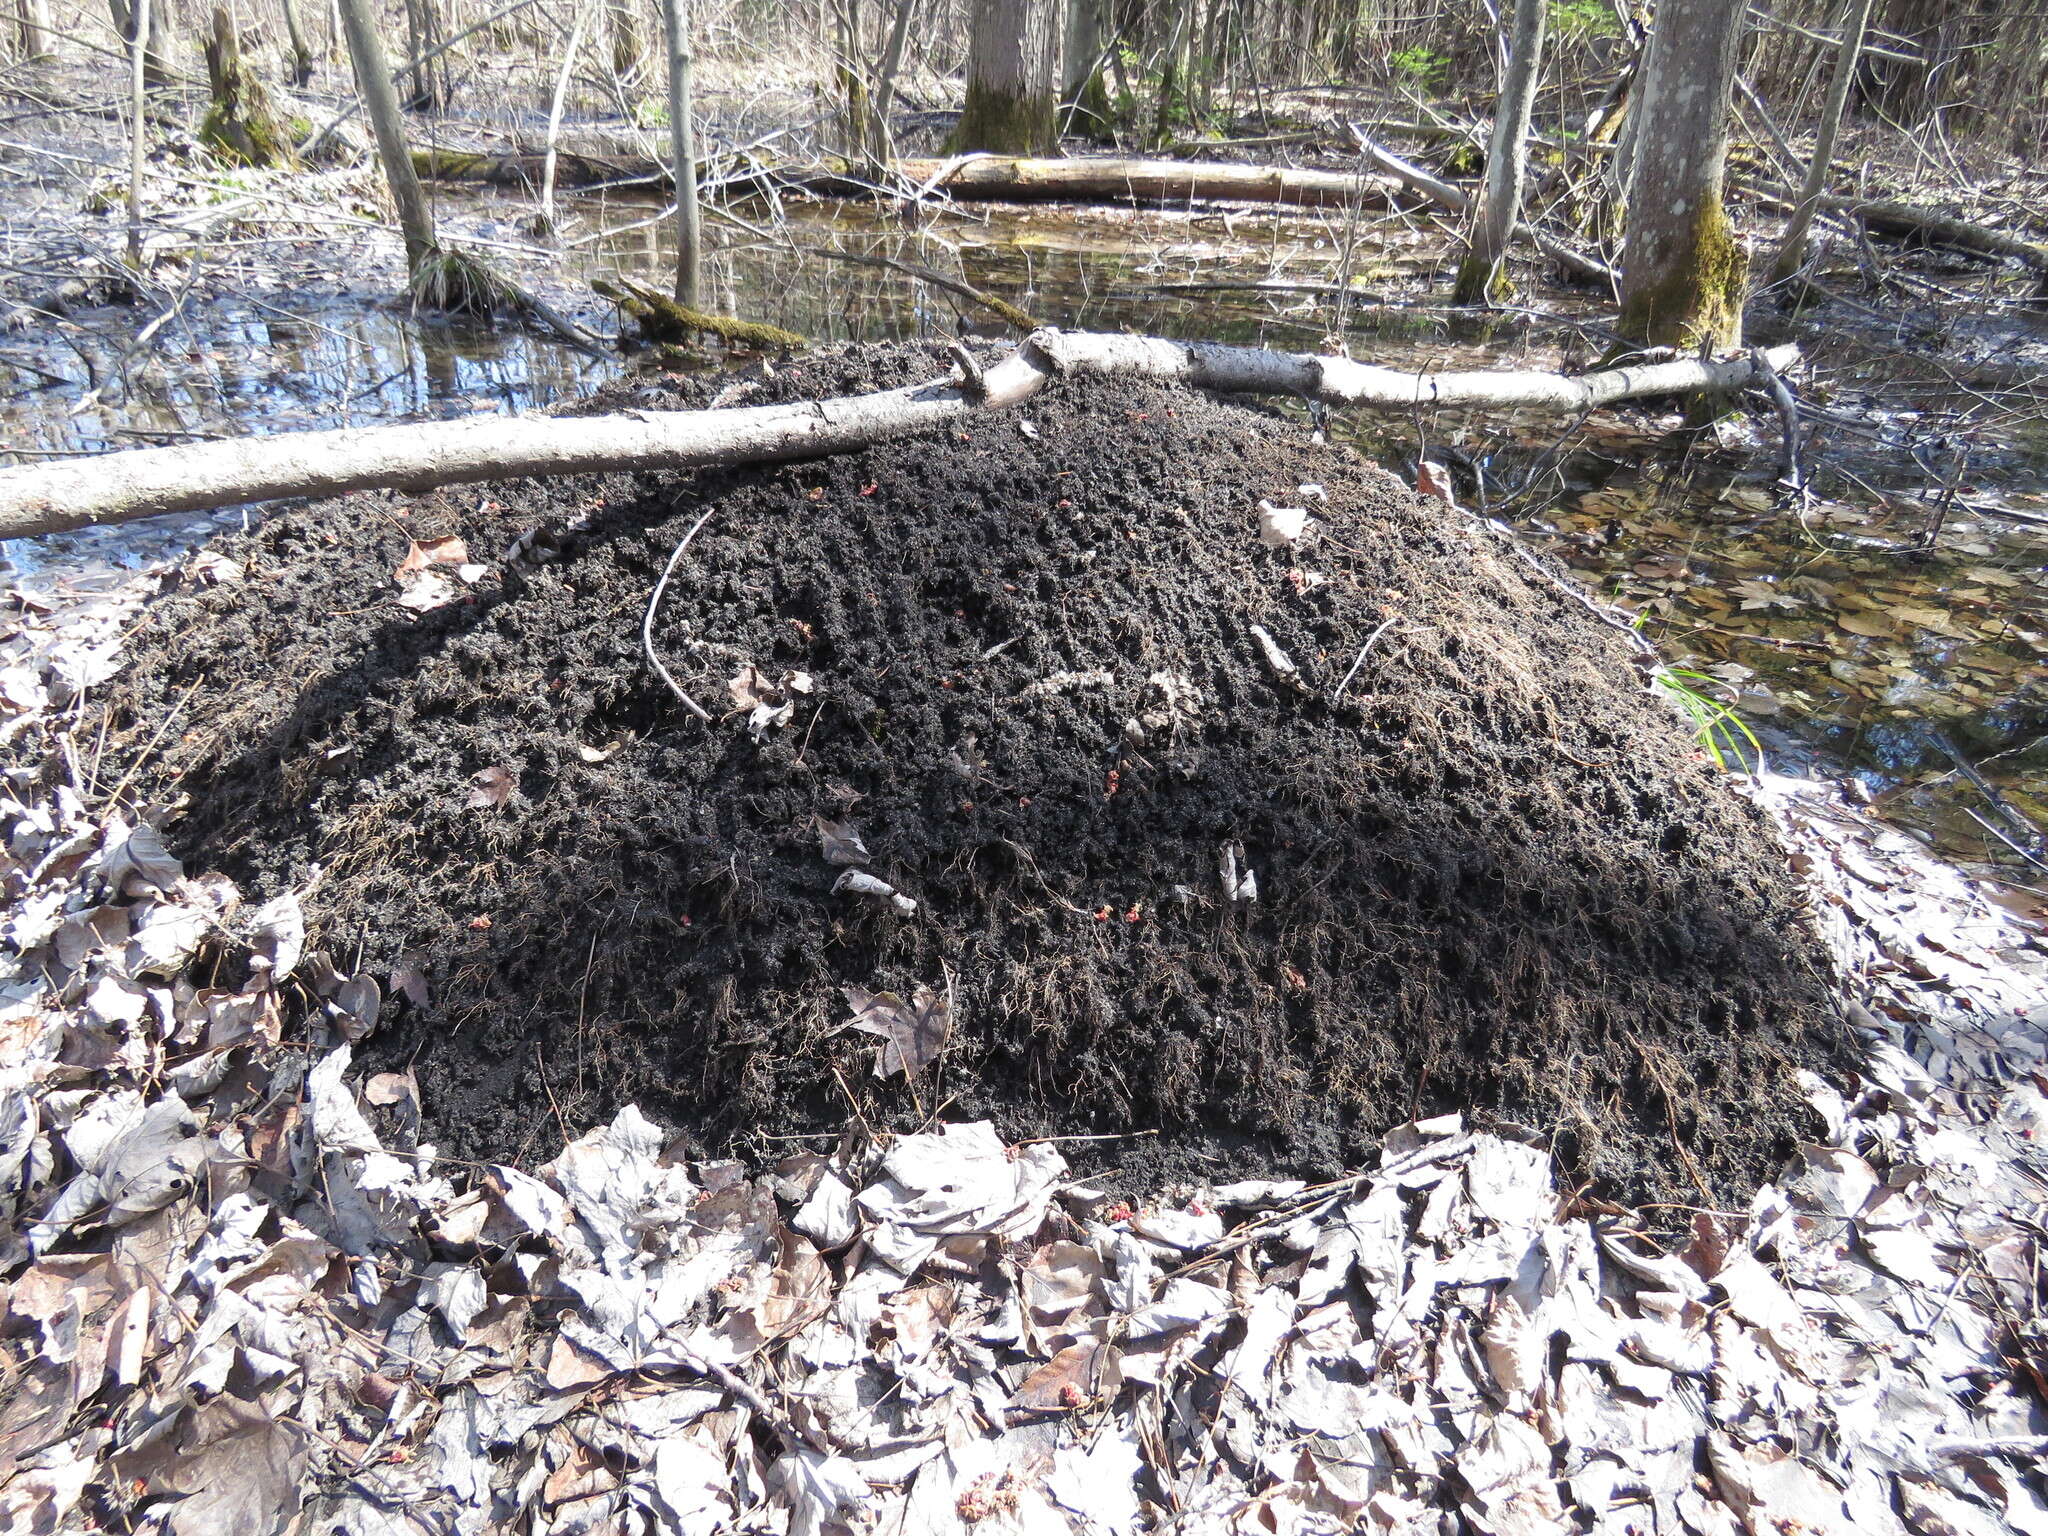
{"points": [[380, 103], [1792, 249], [1482, 276], [241, 125], [1012, 77], [1084, 93], [1682, 271], [675, 16]]}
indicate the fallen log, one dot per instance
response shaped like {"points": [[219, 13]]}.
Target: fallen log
{"points": [[977, 178], [1906, 221], [121, 487], [1098, 178]]}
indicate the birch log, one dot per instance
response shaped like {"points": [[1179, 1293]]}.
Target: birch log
{"points": [[59, 495]]}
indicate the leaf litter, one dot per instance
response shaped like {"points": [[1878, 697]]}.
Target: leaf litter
{"points": [[242, 1293]]}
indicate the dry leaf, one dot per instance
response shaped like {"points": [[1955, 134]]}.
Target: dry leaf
{"points": [[448, 551], [1079, 1375], [1432, 479], [422, 591], [1281, 526], [912, 1036], [840, 843], [491, 788]]}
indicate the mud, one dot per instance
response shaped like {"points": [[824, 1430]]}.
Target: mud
{"points": [[1494, 876]]}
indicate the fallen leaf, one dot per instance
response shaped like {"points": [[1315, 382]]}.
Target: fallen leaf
{"points": [[912, 1035], [840, 843], [422, 591], [448, 551], [490, 788], [1281, 526]]}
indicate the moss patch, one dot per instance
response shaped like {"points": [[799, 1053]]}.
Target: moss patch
{"points": [[1698, 300], [1001, 122]]}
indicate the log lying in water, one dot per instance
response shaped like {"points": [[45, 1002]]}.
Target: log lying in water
{"points": [[982, 178], [120, 487], [1093, 178]]}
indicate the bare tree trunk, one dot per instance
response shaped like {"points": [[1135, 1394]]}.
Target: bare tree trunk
{"points": [[138, 79], [1682, 270], [627, 50], [561, 94], [148, 25], [1481, 276], [1792, 249], [675, 15], [33, 21], [302, 57], [1012, 78], [849, 72], [885, 75], [55, 496], [241, 125], [380, 102]]}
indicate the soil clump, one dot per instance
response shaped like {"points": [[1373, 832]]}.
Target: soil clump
{"points": [[1023, 662]]}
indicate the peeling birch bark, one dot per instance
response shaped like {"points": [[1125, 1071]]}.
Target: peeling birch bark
{"points": [[121, 487]]}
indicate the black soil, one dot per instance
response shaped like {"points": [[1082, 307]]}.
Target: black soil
{"points": [[1495, 876]]}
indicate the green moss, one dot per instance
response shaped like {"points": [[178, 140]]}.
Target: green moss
{"points": [[241, 127], [1003, 123], [1699, 301], [449, 165], [1466, 160], [661, 319], [1482, 282]]}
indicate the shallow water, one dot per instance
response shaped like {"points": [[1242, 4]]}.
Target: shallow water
{"points": [[1894, 616]]}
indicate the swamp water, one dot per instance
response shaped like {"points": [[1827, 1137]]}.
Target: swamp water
{"points": [[1896, 618]]}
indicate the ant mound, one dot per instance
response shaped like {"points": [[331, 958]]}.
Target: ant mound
{"points": [[1041, 784]]}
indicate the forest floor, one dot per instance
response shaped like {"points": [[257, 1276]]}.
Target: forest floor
{"points": [[322, 1110]]}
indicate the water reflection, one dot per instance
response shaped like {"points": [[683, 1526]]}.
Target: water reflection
{"points": [[1773, 602]]}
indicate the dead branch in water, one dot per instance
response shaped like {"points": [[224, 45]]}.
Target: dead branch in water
{"points": [[121, 487]]}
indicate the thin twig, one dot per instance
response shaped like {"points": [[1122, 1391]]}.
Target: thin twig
{"points": [[1369, 639], [654, 605]]}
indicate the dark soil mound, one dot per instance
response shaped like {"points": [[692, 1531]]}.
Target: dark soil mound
{"points": [[1495, 876]]}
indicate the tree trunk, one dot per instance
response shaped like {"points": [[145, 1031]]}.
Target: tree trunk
{"points": [[380, 102], [885, 75], [121, 487], [1103, 178], [849, 72], [155, 33], [675, 16], [138, 81], [555, 104], [1012, 75], [1481, 276], [627, 50], [241, 125], [1084, 93], [1792, 249], [301, 56], [1682, 271], [32, 19]]}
